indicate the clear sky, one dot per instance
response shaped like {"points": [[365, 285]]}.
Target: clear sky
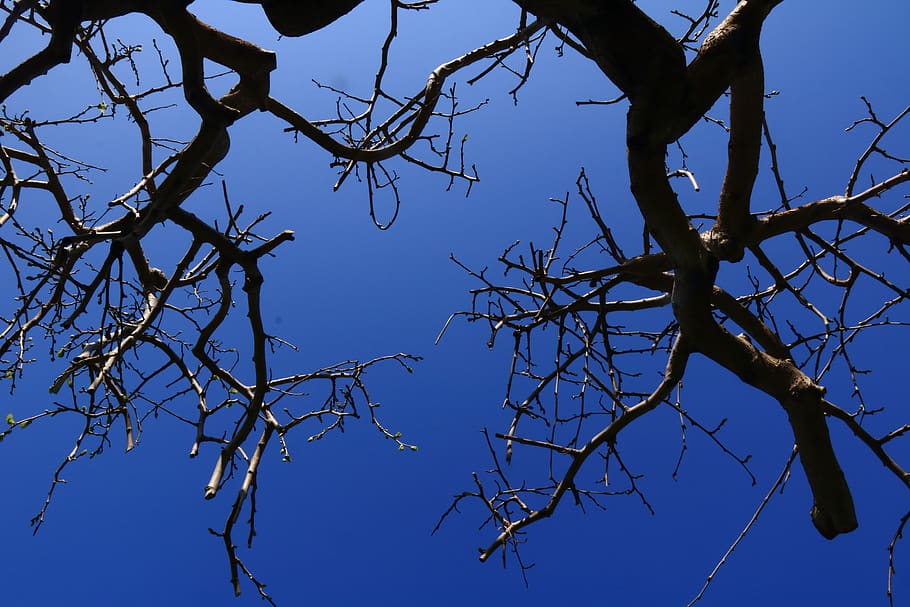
{"points": [[349, 521]]}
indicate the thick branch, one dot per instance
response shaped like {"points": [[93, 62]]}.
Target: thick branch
{"points": [[839, 207], [730, 45], [64, 17], [832, 511], [734, 218]]}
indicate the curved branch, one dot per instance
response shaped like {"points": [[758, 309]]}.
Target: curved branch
{"points": [[839, 207], [417, 111]]}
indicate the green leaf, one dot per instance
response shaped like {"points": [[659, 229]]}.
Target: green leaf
{"points": [[10, 420], [24, 424], [413, 447]]}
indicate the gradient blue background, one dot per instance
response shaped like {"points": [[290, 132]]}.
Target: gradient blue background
{"points": [[348, 523]]}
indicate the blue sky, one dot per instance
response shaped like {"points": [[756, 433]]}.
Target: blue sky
{"points": [[349, 522]]}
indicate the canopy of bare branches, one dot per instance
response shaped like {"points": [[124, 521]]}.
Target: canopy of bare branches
{"points": [[140, 336]]}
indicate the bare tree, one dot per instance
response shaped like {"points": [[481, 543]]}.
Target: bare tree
{"points": [[128, 330], [125, 328], [785, 330]]}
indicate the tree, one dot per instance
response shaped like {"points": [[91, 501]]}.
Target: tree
{"points": [[586, 323]]}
